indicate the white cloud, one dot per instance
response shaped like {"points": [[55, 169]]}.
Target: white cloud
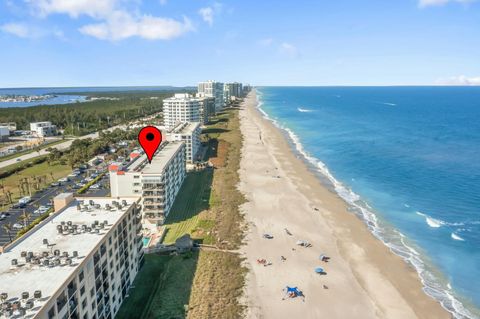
{"points": [[113, 21], [74, 8], [288, 49], [427, 3], [19, 29], [206, 14], [459, 80], [121, 25]]}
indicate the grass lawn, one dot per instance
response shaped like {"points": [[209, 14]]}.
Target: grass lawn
{"points": [[43, 169], [192, 199], [162, 288], [44, 146]]}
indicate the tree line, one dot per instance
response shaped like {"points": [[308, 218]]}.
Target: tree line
{"points": [[81, 118]]}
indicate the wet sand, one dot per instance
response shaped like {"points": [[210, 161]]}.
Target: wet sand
{"points": [[364, 278]]}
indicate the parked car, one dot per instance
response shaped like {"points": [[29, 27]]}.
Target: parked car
{"points": [[43, 208], [25, 200], [37, 212], [95, 186], [17, 226], [55, 184], [63, 180], [19, 205]]}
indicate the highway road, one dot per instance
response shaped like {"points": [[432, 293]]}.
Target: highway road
{"points": [[60, 146]]}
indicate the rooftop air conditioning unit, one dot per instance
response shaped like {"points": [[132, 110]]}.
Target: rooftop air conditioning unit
{"points": [[45, 241], [37, 294], [25, 295]]}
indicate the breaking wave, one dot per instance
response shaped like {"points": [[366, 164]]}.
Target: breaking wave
{"points": [[304, 110], [392, 238]]}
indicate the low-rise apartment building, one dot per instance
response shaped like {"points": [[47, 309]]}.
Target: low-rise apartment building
{"points": [[157, 182], [78, 263], [43, 129]]}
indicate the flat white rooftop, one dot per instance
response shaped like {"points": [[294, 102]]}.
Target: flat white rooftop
{"points": [[185, 128], [160, 160], [29, 277]]}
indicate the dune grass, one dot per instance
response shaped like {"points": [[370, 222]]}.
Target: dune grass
{"points": [[207, 283]]}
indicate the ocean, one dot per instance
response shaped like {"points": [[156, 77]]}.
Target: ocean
{"points": [[407, 161]]}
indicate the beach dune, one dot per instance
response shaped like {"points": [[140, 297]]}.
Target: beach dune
{"points": [[363, 278]]}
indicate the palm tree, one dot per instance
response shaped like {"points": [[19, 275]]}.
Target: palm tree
{"points": [[8, 229], [25, 217]]}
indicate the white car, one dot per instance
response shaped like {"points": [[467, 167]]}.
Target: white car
{"points": [[17, 226], [63, 180], [37, 212], [89, 179], [96, 186]]}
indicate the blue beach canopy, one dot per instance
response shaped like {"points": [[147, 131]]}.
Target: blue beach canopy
{"points": [[319, 270]]}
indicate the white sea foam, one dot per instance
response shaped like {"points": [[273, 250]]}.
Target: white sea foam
{"points": [[456, 237], [389, 104], [395, 240], [432, 222], [304, 110]]}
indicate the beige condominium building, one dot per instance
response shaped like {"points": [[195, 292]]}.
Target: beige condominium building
{"points": [[188, 132], [157, 183], [78, 263], [182, 107]]}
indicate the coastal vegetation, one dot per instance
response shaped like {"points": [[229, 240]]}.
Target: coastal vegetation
{"points": [[26, 178], [80, 118], [194, 285]]}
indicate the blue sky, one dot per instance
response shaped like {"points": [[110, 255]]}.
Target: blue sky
{"points": [[181, 42]]}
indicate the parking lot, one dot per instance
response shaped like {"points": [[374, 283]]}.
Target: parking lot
{"points": [[45, 197]]}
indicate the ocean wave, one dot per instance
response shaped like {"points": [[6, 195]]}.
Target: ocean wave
{"points": [[432, 222], [395, 240], [456, 237], [389, 104], [304, 110]]}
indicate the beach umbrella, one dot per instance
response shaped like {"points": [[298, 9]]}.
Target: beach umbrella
{"points": [[319, 270]]}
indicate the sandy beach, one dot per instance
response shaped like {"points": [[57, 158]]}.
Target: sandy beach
{"points": [[363, 278]]}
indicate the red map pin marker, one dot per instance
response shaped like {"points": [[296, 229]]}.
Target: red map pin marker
{"points": [[150, 138]]}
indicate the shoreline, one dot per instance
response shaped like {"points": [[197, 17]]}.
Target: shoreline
{"points": [[282, 192]]}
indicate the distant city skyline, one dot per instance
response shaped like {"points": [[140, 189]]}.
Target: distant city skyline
{"points": [[79, 43]]}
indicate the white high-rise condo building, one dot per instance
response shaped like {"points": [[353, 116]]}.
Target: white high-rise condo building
{"points": [[78, 263], [213, 89], [181, 107], [157, 182], [235, 90], [188, 132]]}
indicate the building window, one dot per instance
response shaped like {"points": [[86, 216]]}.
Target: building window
{"points": [[82, 291], [51, 313], [81, 276], [92, 292]]}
